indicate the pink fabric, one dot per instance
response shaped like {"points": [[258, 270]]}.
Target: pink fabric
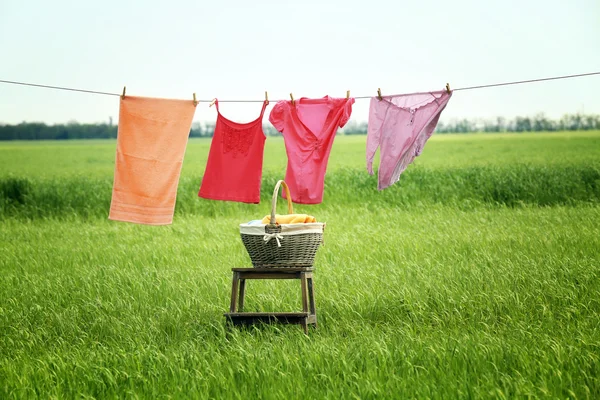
{"points": [[400, 125], [309, 128]]}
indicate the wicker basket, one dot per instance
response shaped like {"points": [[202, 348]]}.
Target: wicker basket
{"points": [[286, 245]]}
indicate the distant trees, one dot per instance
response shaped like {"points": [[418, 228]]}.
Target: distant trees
{"points": [[71, 130], [537, 123], [200, 129], [354, 128]]}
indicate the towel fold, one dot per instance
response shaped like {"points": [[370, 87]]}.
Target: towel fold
{"points": [[290, 219], [151, 142]]}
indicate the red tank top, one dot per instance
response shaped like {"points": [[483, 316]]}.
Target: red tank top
{"points": [[234, 168]]}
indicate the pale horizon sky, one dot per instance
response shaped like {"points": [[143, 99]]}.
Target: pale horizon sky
{"points": [[238, 49]]}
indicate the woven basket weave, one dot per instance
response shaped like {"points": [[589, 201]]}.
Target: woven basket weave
{"points": [[289, 245]]}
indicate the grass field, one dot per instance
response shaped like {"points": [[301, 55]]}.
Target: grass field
{"points": [[475, 276]]}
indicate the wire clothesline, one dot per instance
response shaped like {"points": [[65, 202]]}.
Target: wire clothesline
{"points": [[262, 100]]}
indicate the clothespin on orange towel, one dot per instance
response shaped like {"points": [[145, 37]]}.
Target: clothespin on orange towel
{"points": [[195, 101], [292, 97], [123, 95]]}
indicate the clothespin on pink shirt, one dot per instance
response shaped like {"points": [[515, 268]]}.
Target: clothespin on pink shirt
{"points": [[379, 94], [448, 88], [292, 97]]}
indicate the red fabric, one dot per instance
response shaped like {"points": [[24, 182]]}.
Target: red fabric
{"points": [[234, 168], [308, 128]]}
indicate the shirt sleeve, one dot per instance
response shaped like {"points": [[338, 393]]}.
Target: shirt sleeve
{"points": [[277, 115], [346, 112]]}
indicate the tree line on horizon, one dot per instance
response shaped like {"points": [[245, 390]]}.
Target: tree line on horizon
{"points": [[538, 123]]}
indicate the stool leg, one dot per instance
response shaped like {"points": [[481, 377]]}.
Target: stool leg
{"points": [[303, 287], [234, 292], [242, 293], [311, 299]]}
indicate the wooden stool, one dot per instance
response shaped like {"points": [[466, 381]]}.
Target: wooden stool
{"points": [[308, 314]]}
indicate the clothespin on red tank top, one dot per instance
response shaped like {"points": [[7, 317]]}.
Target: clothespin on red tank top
{"points": [[347, 94], [212, 103], [448, 88], [292, 97], [266, 97], [379, 94]]}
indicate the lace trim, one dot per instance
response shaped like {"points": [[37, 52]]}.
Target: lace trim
{"points": [[236, 141], [413, 102]]}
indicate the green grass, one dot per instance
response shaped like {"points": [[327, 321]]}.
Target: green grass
{"points": [[95, 158], [476, 276]]}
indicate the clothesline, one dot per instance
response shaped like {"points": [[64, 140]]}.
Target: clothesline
{"points": [[262, 100]]}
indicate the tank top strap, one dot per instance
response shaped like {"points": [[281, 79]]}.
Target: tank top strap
{"points": [[264, 107]]}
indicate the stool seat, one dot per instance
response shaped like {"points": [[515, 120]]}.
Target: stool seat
{"points": [[238, 288], [275, 269]]}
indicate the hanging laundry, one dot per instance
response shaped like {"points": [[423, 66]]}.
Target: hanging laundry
{"points": [[400, 125], [151, 142], [234, 168], [308, 127]]}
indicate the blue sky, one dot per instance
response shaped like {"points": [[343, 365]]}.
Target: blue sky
{"points": [[238, 49]]}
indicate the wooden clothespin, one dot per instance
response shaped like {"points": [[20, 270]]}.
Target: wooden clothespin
{"points": [[266, 97], [448, 88], [195, 101], [292, 97], [379, 94], [212, 103], [347, 94], [124, 89]]}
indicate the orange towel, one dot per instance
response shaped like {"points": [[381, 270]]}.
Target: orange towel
{"points": [[151, 143], [290, 219]]}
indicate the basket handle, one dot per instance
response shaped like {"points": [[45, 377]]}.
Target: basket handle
{"points": [[274, 201]]}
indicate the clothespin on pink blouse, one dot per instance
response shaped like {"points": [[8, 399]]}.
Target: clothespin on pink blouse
{"points": [[292, 97], [379, 94], [448, 88]]}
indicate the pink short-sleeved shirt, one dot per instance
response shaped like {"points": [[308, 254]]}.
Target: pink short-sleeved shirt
{"points": [[309, 128]]}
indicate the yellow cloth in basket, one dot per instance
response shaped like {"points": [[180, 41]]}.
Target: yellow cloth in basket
{"points": [[290, 219]]}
